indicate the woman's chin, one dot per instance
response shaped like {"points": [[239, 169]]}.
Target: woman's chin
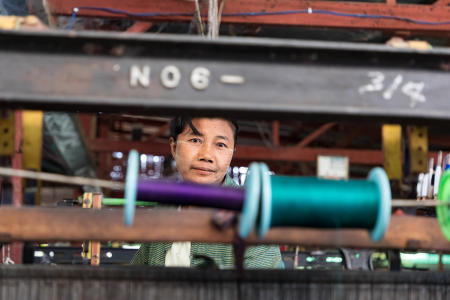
{"points": [[202, 179]]}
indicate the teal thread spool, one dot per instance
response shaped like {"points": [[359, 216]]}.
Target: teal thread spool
{"points": [[321, 203]]}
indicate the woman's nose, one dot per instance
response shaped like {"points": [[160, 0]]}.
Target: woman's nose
{"points": [[205, 153]]}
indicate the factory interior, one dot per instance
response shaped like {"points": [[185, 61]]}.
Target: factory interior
{"points": [[224, 149]]}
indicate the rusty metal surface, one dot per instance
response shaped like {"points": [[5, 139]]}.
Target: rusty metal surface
{"points": [[267, 78], [73, 282]]}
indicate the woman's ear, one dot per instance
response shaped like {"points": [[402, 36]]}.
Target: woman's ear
{"points": [[173, 146]]}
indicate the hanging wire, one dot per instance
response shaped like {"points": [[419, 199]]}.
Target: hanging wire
{"points": [[199, 18]]}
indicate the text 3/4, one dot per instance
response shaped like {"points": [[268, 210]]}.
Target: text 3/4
{"points": [[378, 83]]}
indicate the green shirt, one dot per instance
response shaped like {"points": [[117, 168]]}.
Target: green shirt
{"points": [[154, 254]]}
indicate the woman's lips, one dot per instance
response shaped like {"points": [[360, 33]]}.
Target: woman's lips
{"points": [[203, 171]]}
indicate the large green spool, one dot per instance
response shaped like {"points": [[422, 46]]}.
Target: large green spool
{"points": [[443, 211], [321, 203]]}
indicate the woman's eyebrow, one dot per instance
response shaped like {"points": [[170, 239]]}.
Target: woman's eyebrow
{"points": [[192, 133], [222, 137]]}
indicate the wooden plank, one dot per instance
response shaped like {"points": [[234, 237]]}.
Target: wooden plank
{"points": [[310, 13], [76, 224]]}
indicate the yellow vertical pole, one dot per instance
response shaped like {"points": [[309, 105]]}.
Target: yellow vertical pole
{"points": [[392, 150], [32, 121]]}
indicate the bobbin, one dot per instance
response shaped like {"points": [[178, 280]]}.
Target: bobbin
{"points": [[251, 204], [264, 211]]}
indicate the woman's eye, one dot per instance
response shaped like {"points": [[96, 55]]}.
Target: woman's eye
{"points": [[195, 140], [222, 145]]}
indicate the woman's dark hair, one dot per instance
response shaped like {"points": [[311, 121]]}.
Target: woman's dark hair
{"points": [[178, 124]]}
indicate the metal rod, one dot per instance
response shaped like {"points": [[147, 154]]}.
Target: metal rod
{"points": [[74, 180], [121, 201], [417, 203]]}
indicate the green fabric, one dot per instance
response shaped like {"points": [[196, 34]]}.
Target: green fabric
{"points": [[154, 254]]}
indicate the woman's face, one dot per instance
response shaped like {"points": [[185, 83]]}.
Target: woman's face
{"points": [[204, 157]]}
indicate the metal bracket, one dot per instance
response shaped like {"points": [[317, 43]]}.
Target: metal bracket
{"points": [[418, 143], [357, 259], [6, 132], [91, 250]]}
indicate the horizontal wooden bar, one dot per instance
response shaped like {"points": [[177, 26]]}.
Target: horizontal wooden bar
{"points": [[76, 224]]}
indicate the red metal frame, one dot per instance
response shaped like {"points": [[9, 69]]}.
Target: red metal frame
{"points": [[276, 133], [17, 248], [314, 135], [103, 158], [436, 12], [17, 158], [249, 153], [139, 27], [365, 157]]}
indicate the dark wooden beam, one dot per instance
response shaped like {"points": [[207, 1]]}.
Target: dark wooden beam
{"points": [[77, 224]]}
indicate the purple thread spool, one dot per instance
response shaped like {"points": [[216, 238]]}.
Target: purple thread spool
{"points": [[187, 193]]}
